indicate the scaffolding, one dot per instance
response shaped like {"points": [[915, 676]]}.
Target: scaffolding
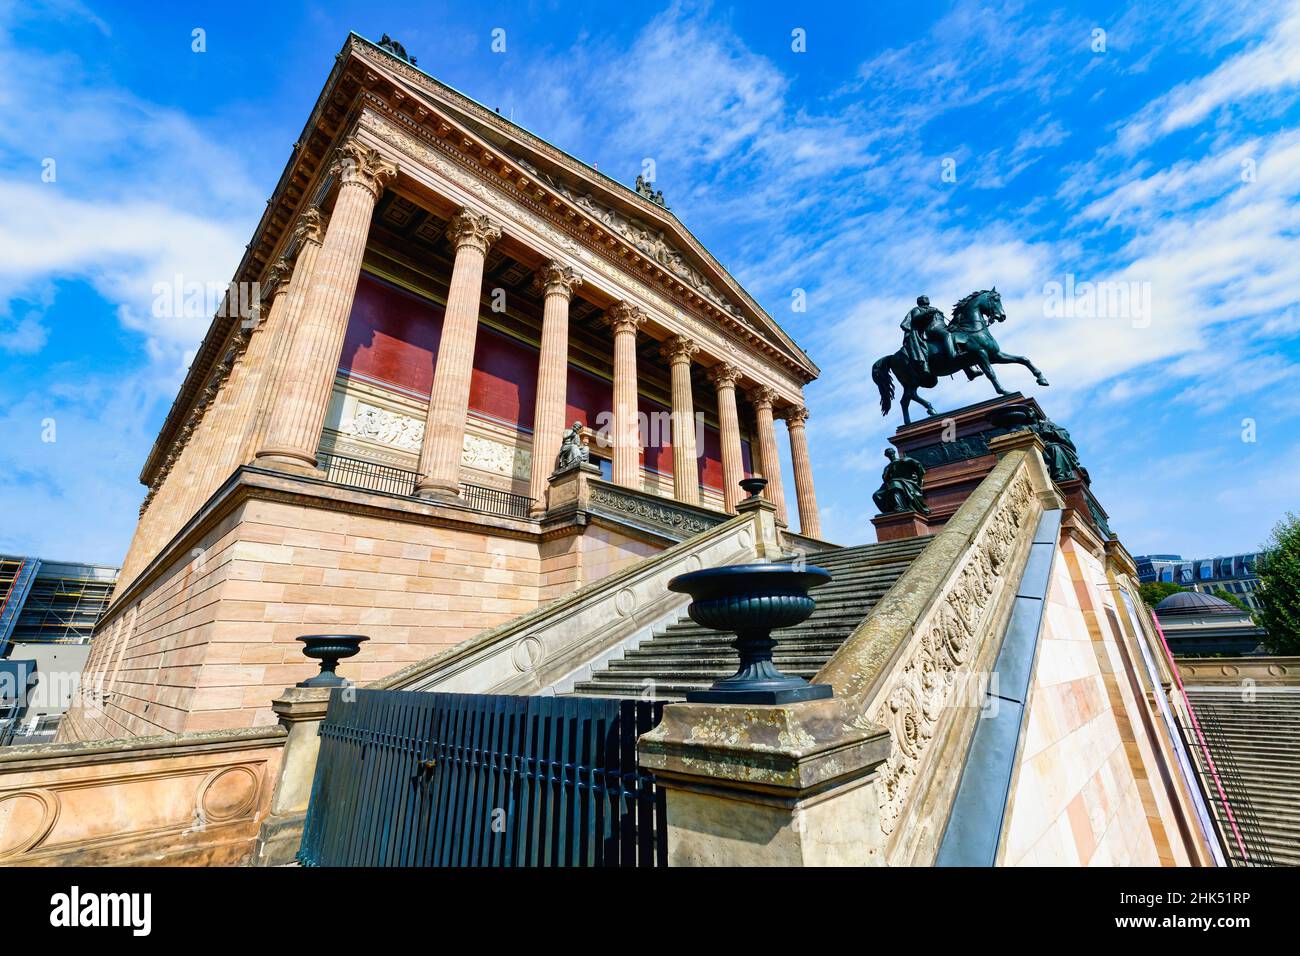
{"points": [[46, 602]]}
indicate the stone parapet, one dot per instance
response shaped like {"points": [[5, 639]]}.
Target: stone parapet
{"points": [[188, 799], [832, 790]]}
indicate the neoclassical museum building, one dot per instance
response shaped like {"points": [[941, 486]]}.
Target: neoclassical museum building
{"points": [[443, 295], [497, 414]]}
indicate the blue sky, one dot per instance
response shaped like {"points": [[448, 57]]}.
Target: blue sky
{"points": [[1161, 152]]}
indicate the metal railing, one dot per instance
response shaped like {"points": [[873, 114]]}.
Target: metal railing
{"points": [[495, 502], [368, 474], [1242, 810], [429, 779]]}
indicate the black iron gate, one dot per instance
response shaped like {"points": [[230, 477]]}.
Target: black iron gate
{"points": [[417, 779]]}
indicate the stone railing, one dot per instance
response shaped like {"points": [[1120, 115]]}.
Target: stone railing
{"points": [[869, 775], [651, 512], [1234, 671], [185, 800], [546, 650], [909, 665]]}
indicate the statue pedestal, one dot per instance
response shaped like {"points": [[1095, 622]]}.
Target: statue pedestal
{"points": [[568, 490], [901, 524], [953, 447]]}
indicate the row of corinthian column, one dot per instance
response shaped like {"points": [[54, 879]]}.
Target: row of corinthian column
{"points": [[297, 357]]}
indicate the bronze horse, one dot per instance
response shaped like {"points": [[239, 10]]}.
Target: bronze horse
{"points": [[974, 346]]}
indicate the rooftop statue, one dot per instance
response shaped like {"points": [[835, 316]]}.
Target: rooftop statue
{"points": [[392, 46], [933, 347], [645, 189], [900, 488]]}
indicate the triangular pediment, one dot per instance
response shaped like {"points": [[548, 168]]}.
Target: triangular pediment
{"points": [[651, 229]]}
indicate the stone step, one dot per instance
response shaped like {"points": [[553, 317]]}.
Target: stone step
{"points": [[684, 656]]}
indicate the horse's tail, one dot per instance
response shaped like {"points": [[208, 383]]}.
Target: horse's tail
{"points": [[880, 375]]}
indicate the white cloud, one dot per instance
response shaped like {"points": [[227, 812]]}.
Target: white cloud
{"points": [[1268, 68]]}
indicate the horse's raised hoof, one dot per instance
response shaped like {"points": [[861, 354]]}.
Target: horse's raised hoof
{"points": [[1043, 381]]}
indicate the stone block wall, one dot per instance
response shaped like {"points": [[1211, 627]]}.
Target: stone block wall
{"points": [[1081, 796], [211, 640]]}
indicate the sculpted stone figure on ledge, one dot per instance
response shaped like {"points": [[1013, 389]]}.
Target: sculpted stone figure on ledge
{"points": [[900, 489], [573, 453], [933, 347], [1059, 453]]}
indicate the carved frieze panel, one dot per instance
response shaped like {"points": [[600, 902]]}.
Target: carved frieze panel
{"points": [[926, 681], [496, 457], [384, 426], [659, 513]]}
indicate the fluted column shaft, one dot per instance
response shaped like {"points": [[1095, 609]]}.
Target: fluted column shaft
{"points": [[686, 477], [624, 319], [271, 346], [557, 281], [805, 497], [444, 422], [299, 415], [761, 398], [724, 377]]}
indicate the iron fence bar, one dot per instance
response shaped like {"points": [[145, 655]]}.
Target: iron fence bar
{"points": [[1242, 805]]}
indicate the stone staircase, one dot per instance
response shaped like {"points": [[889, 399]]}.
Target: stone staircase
{"points": [[1256, 749], [685, 656]]}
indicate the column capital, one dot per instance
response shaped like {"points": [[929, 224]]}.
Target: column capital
{"points": [[795, 415], [724, 375], [310, 227], [624, 317], [469, 228], [761, 396], [277, 277], [555, 278], [679, 349], [355, 163]]}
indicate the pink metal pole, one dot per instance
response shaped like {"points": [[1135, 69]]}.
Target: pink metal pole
{"points": [[1209, 761]]}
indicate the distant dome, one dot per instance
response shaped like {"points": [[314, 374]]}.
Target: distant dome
{"points": [[1195, 602]]}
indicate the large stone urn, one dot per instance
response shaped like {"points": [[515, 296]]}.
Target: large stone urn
{"points": [[750, 601]]}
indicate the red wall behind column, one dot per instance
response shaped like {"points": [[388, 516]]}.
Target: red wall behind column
{"points": [[392, 340]]}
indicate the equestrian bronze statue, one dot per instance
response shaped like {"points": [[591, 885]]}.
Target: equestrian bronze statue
{"points": [[934, 347]]}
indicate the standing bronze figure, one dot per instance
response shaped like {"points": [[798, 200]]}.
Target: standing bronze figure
{"points": [[932, 348]]}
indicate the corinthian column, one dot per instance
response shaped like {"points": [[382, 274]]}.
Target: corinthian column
{"points": [[761, 398], [724, 377], [444, 423], [809, 522], [274, 338], [624, 319], [557, 281], [299, 412], [686, 479]]}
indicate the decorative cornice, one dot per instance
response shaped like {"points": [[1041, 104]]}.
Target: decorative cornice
{"points": [[469, 228], [679, 349], [624, 317], [357, 164], [724, 375], [556, 278]]}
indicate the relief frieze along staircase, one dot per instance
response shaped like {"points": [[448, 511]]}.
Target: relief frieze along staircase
{"points": [[685, 656]]}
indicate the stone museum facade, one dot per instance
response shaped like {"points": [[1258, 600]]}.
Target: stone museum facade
{"points": [[494, 418], [442, 296]]}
